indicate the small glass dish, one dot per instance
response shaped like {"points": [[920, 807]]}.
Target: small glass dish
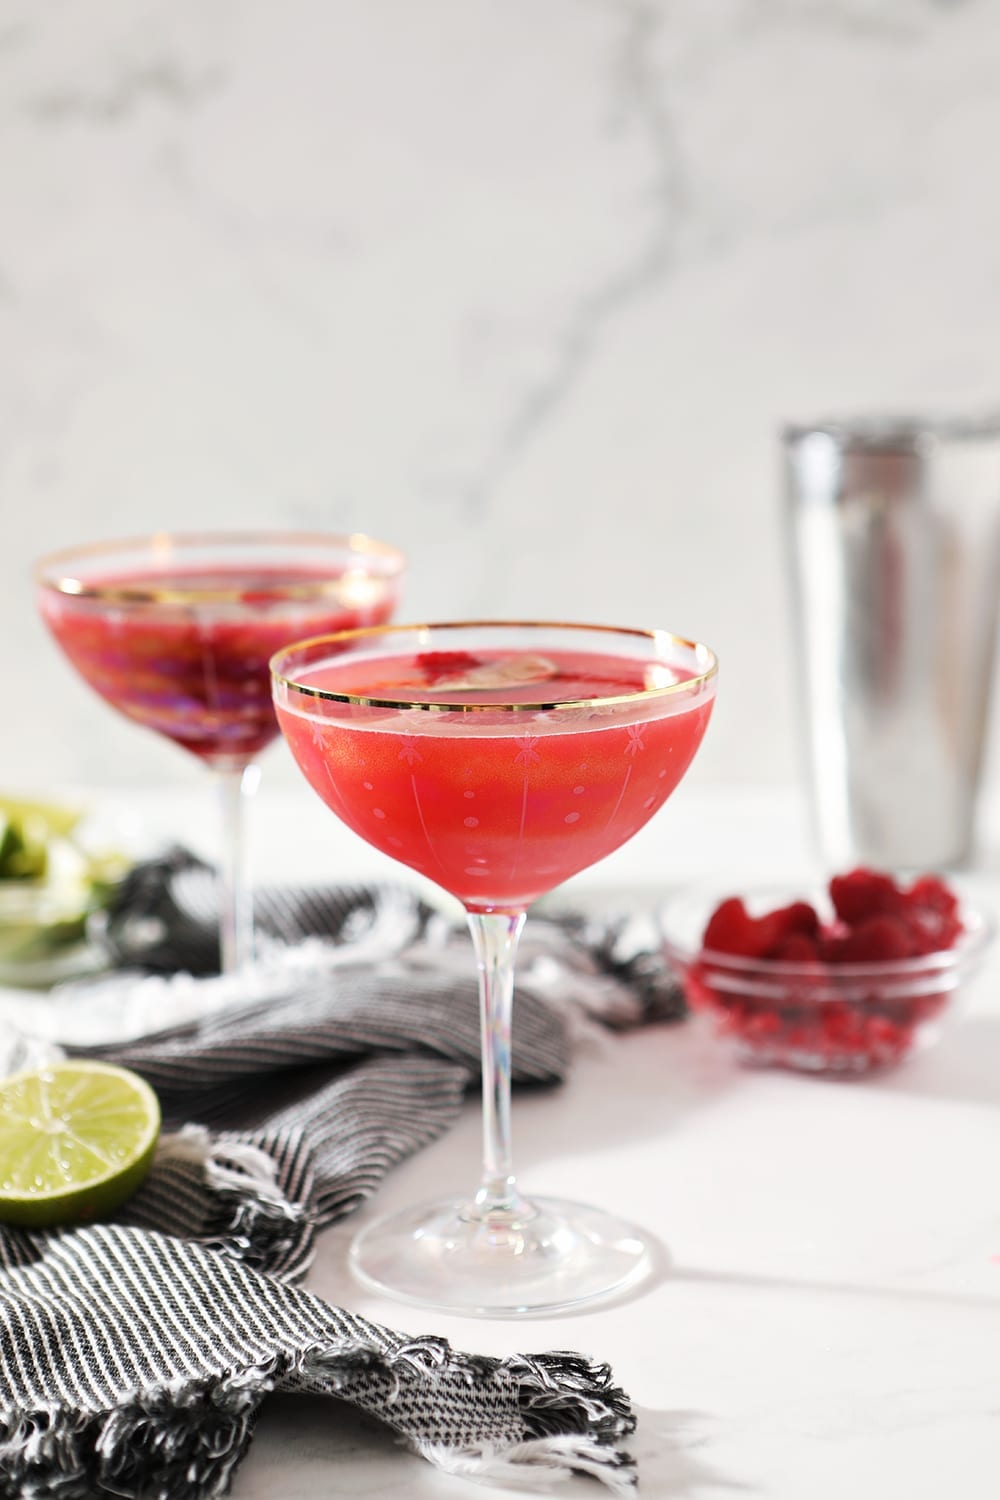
{"points": [[815, 1017]]}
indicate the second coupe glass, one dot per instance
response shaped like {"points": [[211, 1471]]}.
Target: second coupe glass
{"points": [[175, 632]]}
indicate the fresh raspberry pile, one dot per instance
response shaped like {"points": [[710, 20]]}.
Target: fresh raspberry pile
{"points": [[825, 1013]]}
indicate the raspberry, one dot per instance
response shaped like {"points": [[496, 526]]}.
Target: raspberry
{"points": [[798, 918], [930, 932], [932, 892], [864, 893], [796, 948], [731, 929], [932, 914], [760, 1027], [768, 932], [436, 665], [874, 941], [876, 922], [886, 1041]]}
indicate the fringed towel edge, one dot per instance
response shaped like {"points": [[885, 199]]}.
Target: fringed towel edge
{"points": [[160, 1442], [572, 1413], [157, 1443], [254, 1218]]}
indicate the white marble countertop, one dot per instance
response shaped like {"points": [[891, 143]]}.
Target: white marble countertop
{"points": [[825, 1318]]}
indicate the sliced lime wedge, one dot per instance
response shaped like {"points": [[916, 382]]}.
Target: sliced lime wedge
{"points": [[76, 1139]]}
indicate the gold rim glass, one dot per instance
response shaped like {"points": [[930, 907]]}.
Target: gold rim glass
{"points": [[174, 630], [80, 571], [453, 748], [659, 648]]}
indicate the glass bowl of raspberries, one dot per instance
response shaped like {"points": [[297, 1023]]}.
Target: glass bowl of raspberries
{"points": [[841, 981]]}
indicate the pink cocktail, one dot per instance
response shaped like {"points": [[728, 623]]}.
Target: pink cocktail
{"points": [[496, 759], [501, 809], [184, 651], [175, 632]]}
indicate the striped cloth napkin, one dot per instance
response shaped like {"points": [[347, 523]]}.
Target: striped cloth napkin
{"points": [[134, 1355]]}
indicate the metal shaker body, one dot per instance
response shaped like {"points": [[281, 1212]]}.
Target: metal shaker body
{"points": [[895, 549]]}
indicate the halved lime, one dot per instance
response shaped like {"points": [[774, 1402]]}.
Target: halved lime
{"points": [[76, 1139]]}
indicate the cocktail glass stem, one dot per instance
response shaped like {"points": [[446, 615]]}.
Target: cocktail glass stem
{"points": [[237, 785], [495, 936]]}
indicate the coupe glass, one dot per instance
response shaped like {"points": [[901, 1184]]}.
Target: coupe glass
{"points": [[497, 759], [176, 631]]}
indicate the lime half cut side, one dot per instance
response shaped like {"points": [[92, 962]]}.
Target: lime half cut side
{"points": [[76, 1139]]}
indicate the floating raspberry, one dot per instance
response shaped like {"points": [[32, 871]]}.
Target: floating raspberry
{"points": [[436, 665]]}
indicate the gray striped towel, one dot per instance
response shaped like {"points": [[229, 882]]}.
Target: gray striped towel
{"points": [[134, 1355]]}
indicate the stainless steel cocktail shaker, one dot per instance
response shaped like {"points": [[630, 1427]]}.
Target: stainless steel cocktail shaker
{"points": [[895, 551]]}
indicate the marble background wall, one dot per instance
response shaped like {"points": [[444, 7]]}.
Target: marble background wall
{"points": [[527, 286]]}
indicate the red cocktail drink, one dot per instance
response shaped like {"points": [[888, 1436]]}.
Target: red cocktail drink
{"points": [[497, 759], [184, 651], [502, 808], [175, 632]]}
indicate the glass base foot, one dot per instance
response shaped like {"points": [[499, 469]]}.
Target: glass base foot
{"points": [[545, 1257]]}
